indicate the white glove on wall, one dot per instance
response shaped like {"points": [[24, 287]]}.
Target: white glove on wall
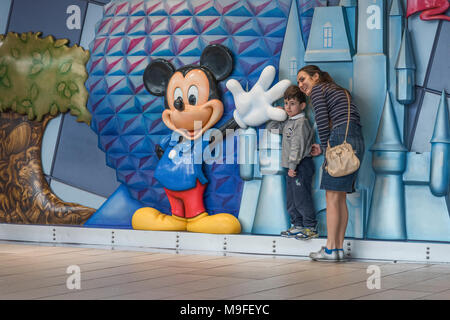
{"points": [[254, 108]]}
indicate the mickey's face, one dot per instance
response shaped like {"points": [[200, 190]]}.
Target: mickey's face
{"points": [[191, 109], [191, 93]]}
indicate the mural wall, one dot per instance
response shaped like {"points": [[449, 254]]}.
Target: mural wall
{"points": [[395, 66]]}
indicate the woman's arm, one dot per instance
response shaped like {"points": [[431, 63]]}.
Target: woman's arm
{"points": [[321, 115]]}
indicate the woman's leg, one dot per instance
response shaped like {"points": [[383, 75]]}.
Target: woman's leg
{"points": [[343, 215], [337, 218], [333, 208]]}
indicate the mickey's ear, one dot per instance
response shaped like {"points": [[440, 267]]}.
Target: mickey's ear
{"points": [[157, 75], [218, 59]]}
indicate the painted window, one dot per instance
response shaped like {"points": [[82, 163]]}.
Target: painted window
{"points": [[293, 67], [328, 36]]}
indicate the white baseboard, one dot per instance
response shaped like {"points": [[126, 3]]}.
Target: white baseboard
{"points": [[399, 251]]}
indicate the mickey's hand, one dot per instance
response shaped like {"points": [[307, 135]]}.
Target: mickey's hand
{"points": [[254, 108], [159, 151]]}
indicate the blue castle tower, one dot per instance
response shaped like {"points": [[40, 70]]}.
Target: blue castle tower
{"points": [[396, 27], [387, 210], [440, 151]]}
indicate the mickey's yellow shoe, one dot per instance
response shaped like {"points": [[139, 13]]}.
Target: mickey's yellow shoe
{"points": [[151, 219], [221, 223]]}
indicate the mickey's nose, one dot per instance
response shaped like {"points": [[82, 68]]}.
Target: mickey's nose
{"points": [[179, 104]]}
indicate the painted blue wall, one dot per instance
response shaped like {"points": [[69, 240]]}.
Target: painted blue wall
{"points": [[363, 75]]}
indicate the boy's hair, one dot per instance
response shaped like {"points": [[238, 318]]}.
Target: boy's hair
{"points": [[294, 92]]}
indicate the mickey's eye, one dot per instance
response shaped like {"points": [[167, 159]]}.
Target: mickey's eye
{"points": [[193, 95], [177, 94]]}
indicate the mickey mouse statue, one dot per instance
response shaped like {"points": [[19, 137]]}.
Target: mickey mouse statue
{"points": [[193, 106]]}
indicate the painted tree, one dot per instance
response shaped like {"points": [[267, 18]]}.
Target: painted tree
{"points": [[39, 78]]}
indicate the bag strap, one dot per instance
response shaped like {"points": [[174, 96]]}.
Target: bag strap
{"points": [[348, 118]]}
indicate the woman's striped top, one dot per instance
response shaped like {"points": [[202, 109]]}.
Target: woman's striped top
{"points": [[330, 103]]}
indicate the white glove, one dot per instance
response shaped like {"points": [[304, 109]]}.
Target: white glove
{"points": [[254, 108]]}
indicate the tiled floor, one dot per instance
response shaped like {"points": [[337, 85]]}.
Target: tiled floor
{"points": [[39, 272]]}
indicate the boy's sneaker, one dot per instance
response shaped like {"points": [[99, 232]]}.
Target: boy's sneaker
{"points": [[292, 232], [325, 255], [307, 234]]}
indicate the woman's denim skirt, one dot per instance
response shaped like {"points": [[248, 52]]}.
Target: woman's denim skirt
{"points": [[355, 138]]}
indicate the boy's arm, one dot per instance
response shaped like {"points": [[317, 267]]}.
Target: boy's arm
{"points": [[299, 143], [275, 127]]}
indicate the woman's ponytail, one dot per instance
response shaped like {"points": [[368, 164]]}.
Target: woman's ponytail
{"points": [[325, 77]]}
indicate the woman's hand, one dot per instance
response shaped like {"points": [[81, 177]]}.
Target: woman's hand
{"points": [[292, 173], [315, 150]]}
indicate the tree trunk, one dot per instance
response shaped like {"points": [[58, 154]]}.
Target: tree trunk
{"points": [[25, 196]]}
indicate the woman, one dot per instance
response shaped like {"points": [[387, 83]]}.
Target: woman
{"points": [[330, 106]]}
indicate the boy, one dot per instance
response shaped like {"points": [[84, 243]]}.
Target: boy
{"points": [[297, 141]]}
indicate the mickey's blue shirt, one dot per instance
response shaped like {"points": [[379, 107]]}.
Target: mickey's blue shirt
{"points": [[181, 165]]}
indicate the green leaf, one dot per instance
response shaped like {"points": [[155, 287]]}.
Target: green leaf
{"points": [[67, 93], [54, 109], [6, 82], [2, 71], [65, 67], [36, 69], [61, 87], [74, 111], [46, 58], [73, 87], [34, 92], [27, 103], [60, 43], [15, 53]]}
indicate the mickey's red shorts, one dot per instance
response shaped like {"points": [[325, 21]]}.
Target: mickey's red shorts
{"points": [[187, 203]]}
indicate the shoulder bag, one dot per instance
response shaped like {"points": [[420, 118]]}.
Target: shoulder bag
{"points": [[341, 159]]}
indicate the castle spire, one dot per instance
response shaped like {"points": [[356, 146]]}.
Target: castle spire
{"points": [[396, 8], [405, 71], [405, 58], [388, 136], [440, 151]]}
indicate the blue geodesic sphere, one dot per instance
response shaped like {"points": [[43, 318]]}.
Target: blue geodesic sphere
{"points": [[127, 118]]}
